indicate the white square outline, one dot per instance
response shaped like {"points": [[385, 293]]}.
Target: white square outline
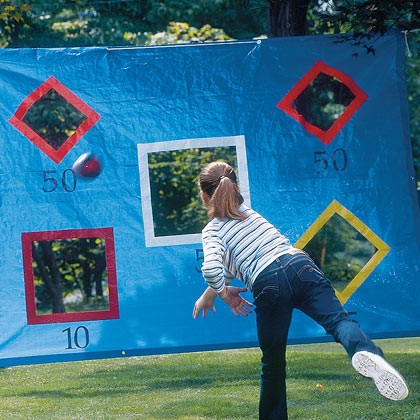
{"points": [[146, 200]]}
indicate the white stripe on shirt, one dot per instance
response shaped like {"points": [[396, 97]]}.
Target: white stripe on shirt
{"points": [[242, 247]]}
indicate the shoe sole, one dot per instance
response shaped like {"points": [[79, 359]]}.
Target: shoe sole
{"points": [[388, 381]]}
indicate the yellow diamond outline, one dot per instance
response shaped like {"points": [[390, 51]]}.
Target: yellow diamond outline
{"points": [[380, 245]]}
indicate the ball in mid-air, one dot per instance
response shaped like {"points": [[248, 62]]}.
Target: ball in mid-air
{"points": [[88, 165]]}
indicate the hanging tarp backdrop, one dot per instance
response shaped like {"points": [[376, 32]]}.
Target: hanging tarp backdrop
{"points": [[109, 265]]}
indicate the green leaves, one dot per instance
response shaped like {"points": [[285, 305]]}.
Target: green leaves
{"points": [[365, 20], [11, 18], [176, 202]]}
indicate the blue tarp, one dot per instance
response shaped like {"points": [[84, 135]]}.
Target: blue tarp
{"points": [[138, 101]]}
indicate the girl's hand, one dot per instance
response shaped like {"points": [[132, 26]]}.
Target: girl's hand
{"points": [[204, 303], [237, 303]]}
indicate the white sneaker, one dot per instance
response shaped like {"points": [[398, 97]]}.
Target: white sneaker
{"points": [[388, 381]]}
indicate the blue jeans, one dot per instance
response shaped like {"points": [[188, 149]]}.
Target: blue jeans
{"points": [[294, 281]]}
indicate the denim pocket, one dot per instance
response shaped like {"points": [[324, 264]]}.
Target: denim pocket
{"points": [[310, 273], [266, 298]]}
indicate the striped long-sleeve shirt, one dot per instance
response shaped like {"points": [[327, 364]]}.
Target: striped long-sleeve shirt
{"points": [[241, 249]]}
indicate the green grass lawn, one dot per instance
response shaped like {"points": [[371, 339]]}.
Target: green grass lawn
{"points": [[322, 385]]}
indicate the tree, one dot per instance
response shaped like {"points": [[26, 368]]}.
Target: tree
{"points": [[70, 268], [86, 23], [361, 20], [413, 83], [181, 32], [177, 207], [340, 251], [53, 118], [287, 18], [83, 22], [11, 19], [365, 21], [50, 274]]}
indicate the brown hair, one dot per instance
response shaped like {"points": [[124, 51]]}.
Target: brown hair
{"points": [[218, 181]]}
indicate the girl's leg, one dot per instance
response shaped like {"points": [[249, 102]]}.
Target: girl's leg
{"points": [[316, 297], [273, 307]]}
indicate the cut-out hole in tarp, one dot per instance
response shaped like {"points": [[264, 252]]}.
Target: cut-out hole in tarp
{"points": [[323, 101], [54, 118]]}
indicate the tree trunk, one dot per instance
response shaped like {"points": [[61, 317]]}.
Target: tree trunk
{"points": [[87, 279], [51, 276], [287, 17], [100, 266]]}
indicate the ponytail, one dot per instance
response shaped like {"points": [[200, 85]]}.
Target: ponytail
{"points": [[218, 181]]}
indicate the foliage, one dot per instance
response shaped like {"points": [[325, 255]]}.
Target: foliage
{"points": [[11, 17], [177, 33], [323, 101], [87, 23], [364, 20], [240, 18], [53, 118], [340, 251], [68, 268], [181, 32], [413, 86], [177, 207]]}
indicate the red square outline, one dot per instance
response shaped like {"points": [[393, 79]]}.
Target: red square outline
{"points": [[29, 237], [92, 118], [286, 104]]}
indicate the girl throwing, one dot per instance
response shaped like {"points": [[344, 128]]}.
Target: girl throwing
{"points": [[240, 243]]}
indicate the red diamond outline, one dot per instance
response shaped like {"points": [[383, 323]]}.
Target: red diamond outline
{"points": [[16, 120], [320, 67]]}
